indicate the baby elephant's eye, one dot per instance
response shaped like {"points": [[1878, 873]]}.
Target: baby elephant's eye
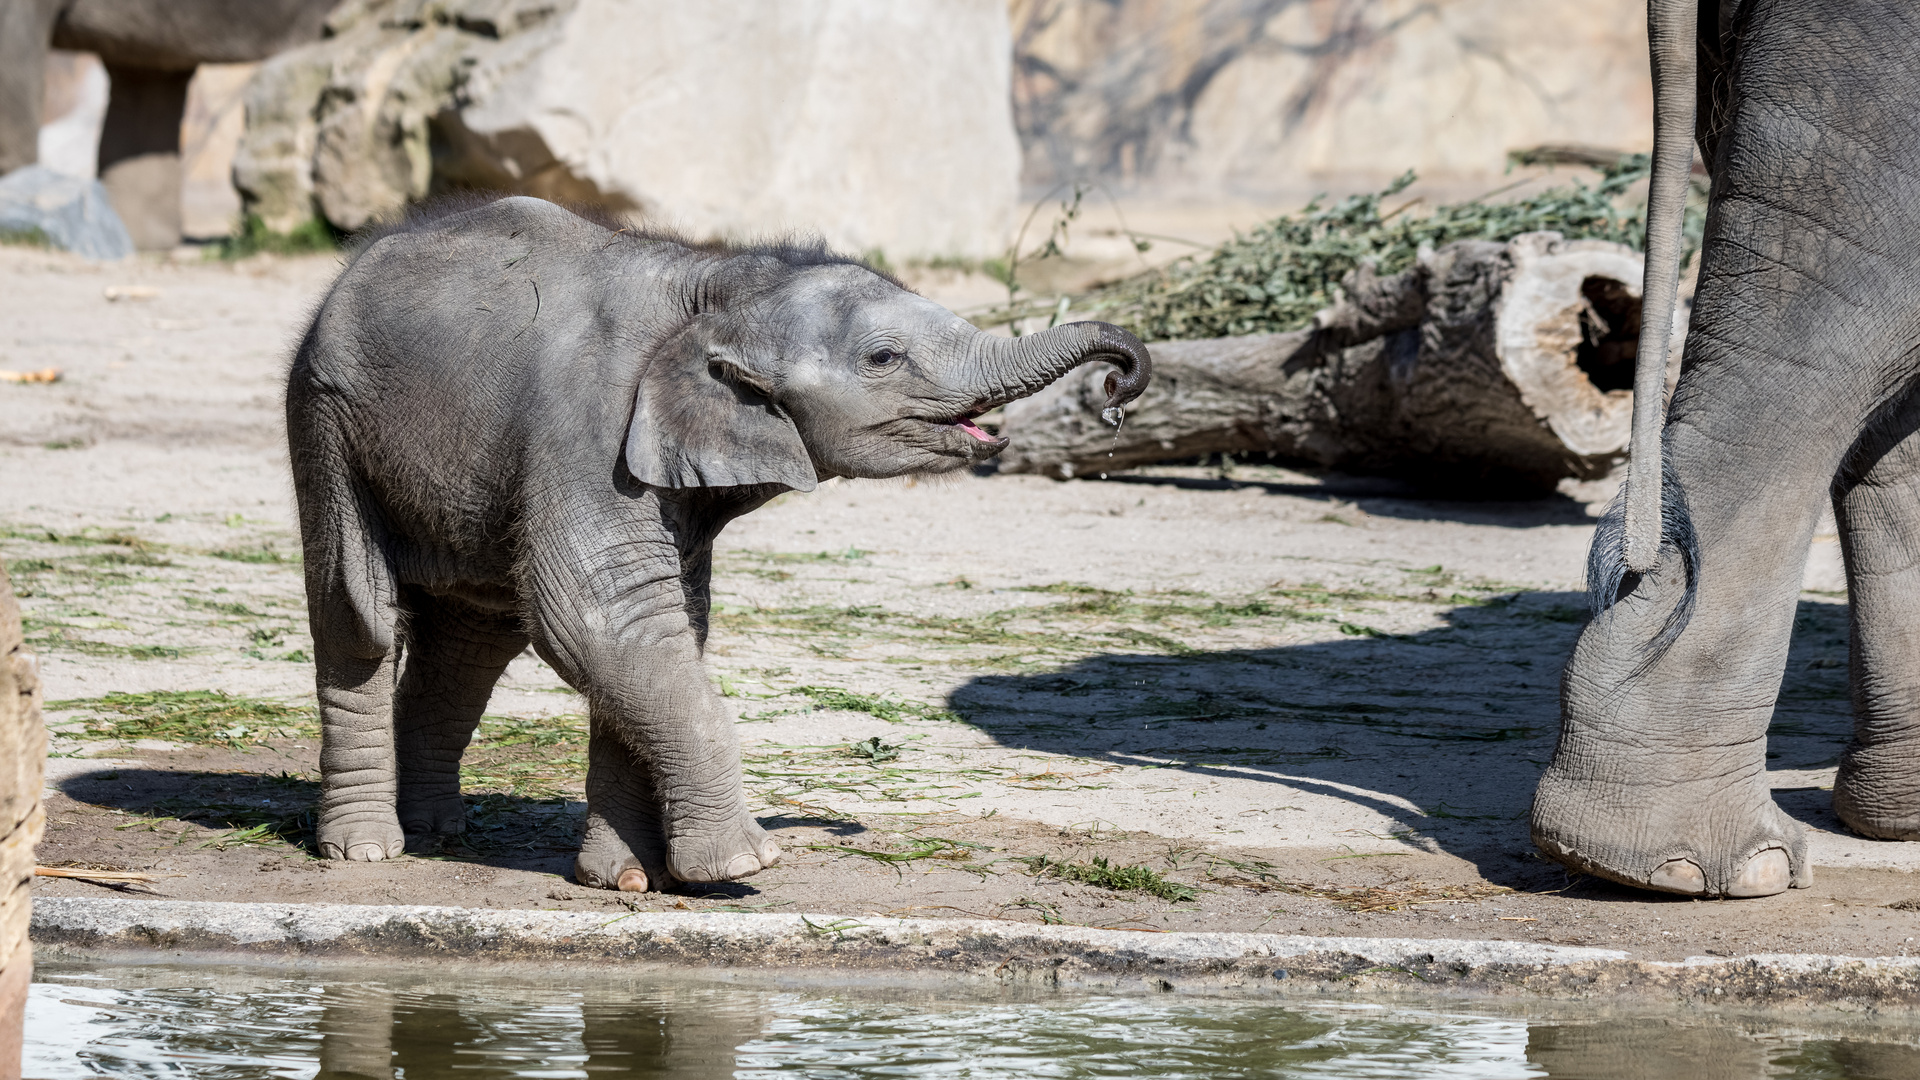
{"points": [[883, 357]]}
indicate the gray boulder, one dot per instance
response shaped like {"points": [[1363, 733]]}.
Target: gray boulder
{"points": [[69, 213], [877, 124]]}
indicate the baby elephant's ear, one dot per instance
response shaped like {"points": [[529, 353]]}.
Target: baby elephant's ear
{"points": [[696, 423]]}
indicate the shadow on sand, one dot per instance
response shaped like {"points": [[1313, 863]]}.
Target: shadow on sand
{"points": [[1458, 720]]}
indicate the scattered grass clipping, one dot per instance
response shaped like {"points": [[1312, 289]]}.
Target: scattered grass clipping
{"points": [[1118, 878], [200, 717], [892, 710]]}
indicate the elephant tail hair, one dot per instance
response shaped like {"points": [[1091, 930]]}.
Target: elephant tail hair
{"points": [[1609, 578]]}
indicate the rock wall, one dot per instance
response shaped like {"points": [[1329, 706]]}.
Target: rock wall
{"points": [[880, 124], [75, 105], [23, 756], [1265, 98]]}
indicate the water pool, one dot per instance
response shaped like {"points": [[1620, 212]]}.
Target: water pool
{"points": [[409, 1024]]}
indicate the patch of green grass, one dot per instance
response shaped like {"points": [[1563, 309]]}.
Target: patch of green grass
{"points": [[874, 751], [1118, 878], [64, 640], [201, 717], [536, 757], [88, 537], [265, 553], [32, 236], [917, 848], [236, 610], [892, 710], [311, 237]]}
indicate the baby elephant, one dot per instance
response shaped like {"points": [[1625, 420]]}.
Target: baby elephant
{"points": [[510, 425]]}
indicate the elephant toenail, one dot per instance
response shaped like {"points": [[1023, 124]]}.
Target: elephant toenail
{"points": [[769, 854], [1765, 874], [366, 853], [741, 866], [1679, 876], [632, 879]]}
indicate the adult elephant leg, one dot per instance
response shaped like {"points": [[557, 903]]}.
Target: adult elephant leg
{"points": [[610, 613], [455, 653], [1877, 505], [1802, 331], [26, 26], [1659, 779]]}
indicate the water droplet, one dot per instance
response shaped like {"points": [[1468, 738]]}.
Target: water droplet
{"points": [[1112, 415]]}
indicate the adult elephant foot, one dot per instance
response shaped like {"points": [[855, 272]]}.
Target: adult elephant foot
{"points": [[1694, 837], [1877, 791]]}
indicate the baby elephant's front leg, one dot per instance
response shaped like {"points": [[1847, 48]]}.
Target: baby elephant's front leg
{"points": [[694, 762], [664, 789]]}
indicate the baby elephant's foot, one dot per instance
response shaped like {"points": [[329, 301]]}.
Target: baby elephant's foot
{"points": [[428, 822], [624, 875], [360, 837], [607, 861], [737, 849]]}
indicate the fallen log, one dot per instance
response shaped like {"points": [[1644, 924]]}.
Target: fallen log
{"points": [[1487, 368]]}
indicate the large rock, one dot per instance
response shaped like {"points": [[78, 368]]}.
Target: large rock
{"points": [[67, 212], [879, 124], [1277, 98]]}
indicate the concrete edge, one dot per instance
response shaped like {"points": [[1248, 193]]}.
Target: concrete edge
{"points": [[972, 951]]}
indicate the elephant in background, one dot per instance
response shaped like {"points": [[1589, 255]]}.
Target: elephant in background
{"points": [[150, 49], [1801, 382], [510, 425]]}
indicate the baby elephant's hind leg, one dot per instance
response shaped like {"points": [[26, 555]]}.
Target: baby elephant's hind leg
{"points": [[624, 847], [455, 653]]}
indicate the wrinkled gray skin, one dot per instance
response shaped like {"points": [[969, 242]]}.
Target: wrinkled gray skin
{"points": [[1799, 384], [513, 426]]}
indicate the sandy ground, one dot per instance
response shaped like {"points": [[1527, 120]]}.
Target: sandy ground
{"points": [[1294, 703]]}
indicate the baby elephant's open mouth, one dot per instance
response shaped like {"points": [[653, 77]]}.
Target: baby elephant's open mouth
{"points": [[965, 422]]}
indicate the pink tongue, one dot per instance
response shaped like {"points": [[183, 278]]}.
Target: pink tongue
{"points": [[974, 430]]}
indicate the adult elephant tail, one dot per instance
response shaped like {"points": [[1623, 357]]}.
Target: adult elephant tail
{"points": [[1672, 26]]}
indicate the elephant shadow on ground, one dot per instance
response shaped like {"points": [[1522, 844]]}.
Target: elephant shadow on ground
{"points": [[1390, 497], [1428, 740], [235, 809], [232, 809]]}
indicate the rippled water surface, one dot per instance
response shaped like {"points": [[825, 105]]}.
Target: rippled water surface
{"points": [[411, 1024]]}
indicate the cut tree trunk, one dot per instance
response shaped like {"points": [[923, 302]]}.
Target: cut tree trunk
{"points": [[23, 755], [1487, 368]]}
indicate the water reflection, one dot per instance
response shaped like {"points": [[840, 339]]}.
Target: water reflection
{"points": [[415, 1025]]}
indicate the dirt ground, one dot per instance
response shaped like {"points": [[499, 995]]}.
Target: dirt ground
{"points": [[1234, 698]]}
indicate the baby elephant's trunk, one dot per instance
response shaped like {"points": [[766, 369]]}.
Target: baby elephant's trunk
{"points": [[1019, 367]]}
